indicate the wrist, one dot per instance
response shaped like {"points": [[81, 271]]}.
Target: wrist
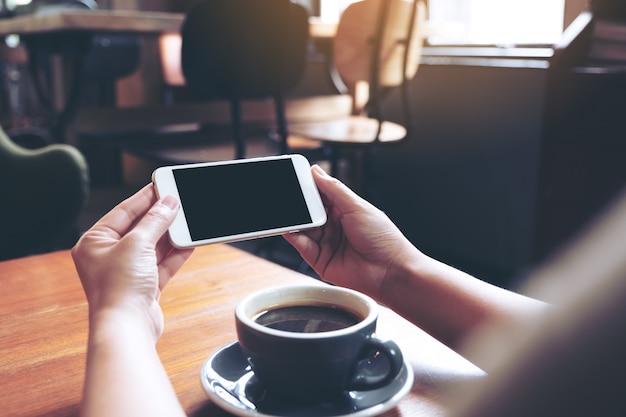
{"points": [[121, 322], [401, 275]]}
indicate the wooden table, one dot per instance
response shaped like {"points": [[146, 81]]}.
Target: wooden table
{"points": [[43, 332], [136, 21], [93, 20]]}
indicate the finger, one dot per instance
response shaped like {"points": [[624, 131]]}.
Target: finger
{"points": [[310, 242], [171, 263], [306, 246], [300, 240], [335, 193], [121, 218], [156, 220], [163, 248]]}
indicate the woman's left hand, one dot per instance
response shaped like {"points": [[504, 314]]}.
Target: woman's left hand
{"points": [[126, 259]]}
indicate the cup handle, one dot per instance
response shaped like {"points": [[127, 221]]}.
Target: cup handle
{"points": [[367, 374]]}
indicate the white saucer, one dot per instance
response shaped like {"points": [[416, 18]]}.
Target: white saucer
{"points": [[230, 383]]}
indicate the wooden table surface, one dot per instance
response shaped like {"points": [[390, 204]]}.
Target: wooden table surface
{"points": [[139, 21], [43, 333], [93, 20]]}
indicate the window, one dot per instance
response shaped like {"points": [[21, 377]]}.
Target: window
{"points": [[486, 22], [330, 10], [495, 22]]}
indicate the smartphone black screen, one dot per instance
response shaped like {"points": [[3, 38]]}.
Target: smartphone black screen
{"points": [[224, 200]]}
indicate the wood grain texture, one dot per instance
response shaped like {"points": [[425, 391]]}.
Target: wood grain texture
{"points": [[140, 21], [94, 20]]}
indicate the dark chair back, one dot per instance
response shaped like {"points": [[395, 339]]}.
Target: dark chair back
{"points": [[245, 49]]}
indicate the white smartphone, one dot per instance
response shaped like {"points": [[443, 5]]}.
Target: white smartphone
{"points": [[241, 199]]}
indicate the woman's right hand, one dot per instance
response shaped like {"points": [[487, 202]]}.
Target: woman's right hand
{"points": [[359, 247]]}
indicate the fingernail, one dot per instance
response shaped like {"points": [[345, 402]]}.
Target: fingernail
{"points": [[170, 202], [319, 170]]}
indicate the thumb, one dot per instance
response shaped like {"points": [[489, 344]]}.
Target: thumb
{"points": [[335, 193], [155, 222]]}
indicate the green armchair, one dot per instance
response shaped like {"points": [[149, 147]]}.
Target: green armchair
{"points": [[43, 192]]}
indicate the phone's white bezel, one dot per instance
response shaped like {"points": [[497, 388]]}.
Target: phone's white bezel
{"points": [[164, 184]]}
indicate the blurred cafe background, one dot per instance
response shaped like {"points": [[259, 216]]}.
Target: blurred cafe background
{"points": [[514, 116]]}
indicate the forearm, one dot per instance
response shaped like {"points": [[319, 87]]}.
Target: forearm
{"points": [[125, 376], [450, 304]]}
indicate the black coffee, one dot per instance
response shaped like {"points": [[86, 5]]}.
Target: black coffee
{"points": [[307, 319]]}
